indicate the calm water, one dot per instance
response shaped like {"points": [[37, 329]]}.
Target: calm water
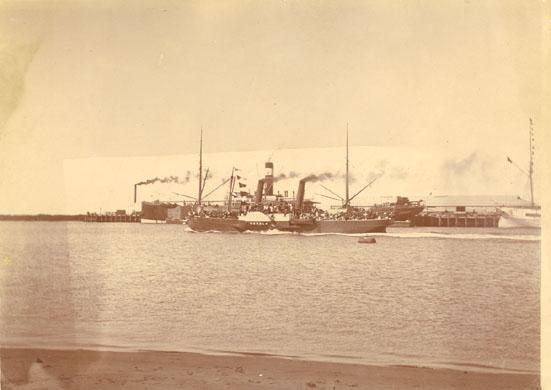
{"points": [[419, 296]]}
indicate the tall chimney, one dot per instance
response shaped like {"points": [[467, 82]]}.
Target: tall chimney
{"points": [[135, 192], [269, 177], [259, 190], [300, 194]]}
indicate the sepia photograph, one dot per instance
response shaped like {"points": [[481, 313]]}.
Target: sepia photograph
{"points": [[273, 195]]}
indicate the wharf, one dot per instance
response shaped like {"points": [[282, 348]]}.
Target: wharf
{"points": [[132, 218], [456, 219]]}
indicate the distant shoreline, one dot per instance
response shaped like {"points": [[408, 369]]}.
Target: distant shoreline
{"points": [[161, 370], [41, 217]]}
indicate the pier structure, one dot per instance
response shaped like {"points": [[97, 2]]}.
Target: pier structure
{"points": [[127, 218], [456, 219]]}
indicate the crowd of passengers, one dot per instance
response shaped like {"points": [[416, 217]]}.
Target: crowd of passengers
{"points": [[309, 211]]}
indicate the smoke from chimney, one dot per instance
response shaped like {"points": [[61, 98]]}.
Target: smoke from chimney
{"points": [[283, 176], [168, 179], [322, 176], [171, 179]]}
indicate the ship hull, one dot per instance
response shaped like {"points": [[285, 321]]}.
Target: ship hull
{"points": [[295, 227], [352, 227], [174, 221], [406, 213], [403, 210], [206, 224]]}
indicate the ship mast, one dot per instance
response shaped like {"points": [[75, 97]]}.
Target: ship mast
{"points": [[232, 183], [531, 168], [347, 194], [200, 168], [530, 173]]}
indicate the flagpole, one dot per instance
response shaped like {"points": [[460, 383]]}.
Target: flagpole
{"points": [[347, 194], [531, 169], [200, 168]]}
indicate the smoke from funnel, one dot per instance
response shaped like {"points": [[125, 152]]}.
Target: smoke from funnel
{"points": [[283, 176], [322, 176], [169, 179], [313, 177], [461, 167]]}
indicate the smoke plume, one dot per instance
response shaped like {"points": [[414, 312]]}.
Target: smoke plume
{"points": [[174, 179], [462, 173], [283, 176], [452, 167], [398, 172], [168, 179], [374, 175], [313, 177]]}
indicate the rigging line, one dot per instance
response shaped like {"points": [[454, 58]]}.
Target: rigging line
{"points": [[360, 191], [184, 195], [220, 185], [329, 197], [333, 192], [516, 165]]}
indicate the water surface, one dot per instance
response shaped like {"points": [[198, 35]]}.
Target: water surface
{"points": [[436, 297]]}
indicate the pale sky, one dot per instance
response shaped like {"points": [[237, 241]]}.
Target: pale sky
{"points": [[405, 171], [107, 80]]}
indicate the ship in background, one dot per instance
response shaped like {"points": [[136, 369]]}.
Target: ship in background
{"points": [[165, 212], [401, 210], [162, 211], [523, 216]]}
